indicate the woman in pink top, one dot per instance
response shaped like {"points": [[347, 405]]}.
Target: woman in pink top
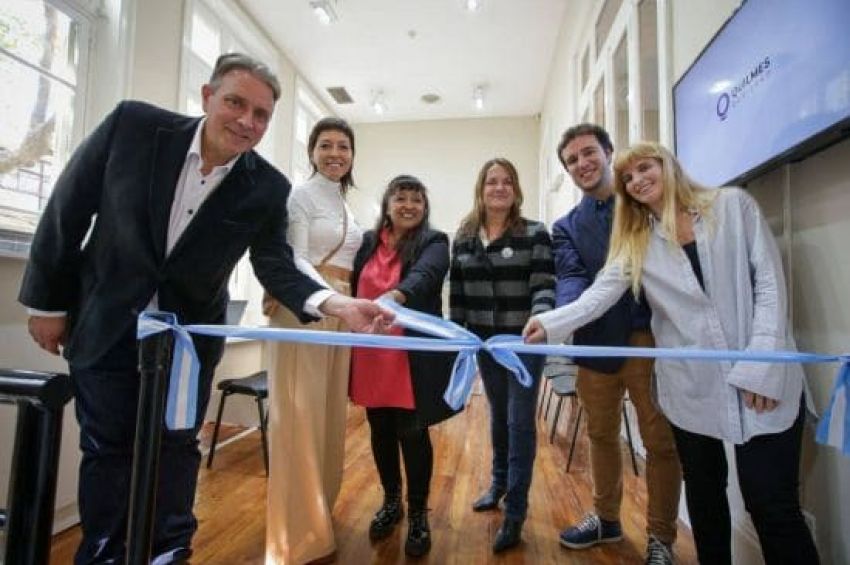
{"points": [[403, 259]]}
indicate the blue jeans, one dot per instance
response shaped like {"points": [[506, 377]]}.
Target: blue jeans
{"points": [[106, 398], [513, 430]]}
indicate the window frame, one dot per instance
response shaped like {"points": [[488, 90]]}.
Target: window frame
{"points": [[16, 243]]}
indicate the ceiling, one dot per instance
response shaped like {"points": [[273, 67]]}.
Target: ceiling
{"points": [[408, 48]]}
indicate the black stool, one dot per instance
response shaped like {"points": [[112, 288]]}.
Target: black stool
{"points": [[256, 385]]}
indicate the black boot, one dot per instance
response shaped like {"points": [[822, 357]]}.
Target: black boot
{"points": [[387, 517], [508, 536], [489, 500], [418, 533]]}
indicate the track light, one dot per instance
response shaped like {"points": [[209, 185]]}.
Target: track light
{"points": [[478, 96], [472, 5]]}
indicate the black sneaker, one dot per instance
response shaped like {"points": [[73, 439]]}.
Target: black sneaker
{"points": [[386, 518], [591, 531], [658, 552], [418, 534]]}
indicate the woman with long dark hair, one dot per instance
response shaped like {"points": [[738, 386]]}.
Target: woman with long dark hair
{"points": [[405, 260], [308, 390]]}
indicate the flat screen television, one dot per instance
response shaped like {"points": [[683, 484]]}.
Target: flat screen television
{"points": [[773, 85]]}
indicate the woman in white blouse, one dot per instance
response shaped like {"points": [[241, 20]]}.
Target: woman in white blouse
{"points": [[711, 271], [308, 392]]}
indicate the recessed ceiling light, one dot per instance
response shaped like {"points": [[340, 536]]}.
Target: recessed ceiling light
{"points": [[324, 10], [430, 98]]}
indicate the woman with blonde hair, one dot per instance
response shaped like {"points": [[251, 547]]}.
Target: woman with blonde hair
{"points": [[308, 394], [501, 273], [712, 275]]}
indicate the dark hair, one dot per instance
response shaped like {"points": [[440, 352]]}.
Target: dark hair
{"points": [[409, 245], [241, 62], [473, 221], [585, 129], [332, 123]]}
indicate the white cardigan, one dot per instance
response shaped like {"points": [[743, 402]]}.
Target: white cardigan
{"points": [[743, 307]]}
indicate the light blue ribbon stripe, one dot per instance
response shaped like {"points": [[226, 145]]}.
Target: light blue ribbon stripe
{"points": [[449, 337]]}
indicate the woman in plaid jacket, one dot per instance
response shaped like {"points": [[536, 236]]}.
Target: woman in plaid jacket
{"points": [[502, 273]]}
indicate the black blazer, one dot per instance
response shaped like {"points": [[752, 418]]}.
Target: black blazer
{"points": [[422, 285], [121, 182]]}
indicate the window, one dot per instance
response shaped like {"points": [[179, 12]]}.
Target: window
{"points": [[210, 33], [214, 27], [648, 38], [584, 69], [605, 21], [308, 111], [620, 95], [599, 103], [42, 70], [628, 66]]}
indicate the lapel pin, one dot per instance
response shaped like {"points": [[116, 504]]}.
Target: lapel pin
{"points": [[507, 253]]}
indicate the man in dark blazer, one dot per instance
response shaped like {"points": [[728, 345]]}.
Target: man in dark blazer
{"points": [[153, 211], [580, 246]]}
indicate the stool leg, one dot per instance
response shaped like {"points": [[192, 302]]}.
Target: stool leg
{"points": [[629, 436], [555, 419], [211, 454], [263, 434], [542, 396], [575, 434], [548, 401]]}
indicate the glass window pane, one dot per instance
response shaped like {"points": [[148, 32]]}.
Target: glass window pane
{"points": [[205, 41], [604, 22], [584, 69], [301, 126], [41, 35], [648, 39], [38, 71], [621, 95], [599, 103]]}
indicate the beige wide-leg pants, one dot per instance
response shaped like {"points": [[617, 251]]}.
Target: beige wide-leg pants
{"points": [[308, 400]]}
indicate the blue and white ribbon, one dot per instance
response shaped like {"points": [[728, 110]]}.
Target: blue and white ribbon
{"points": [[834, 427]]}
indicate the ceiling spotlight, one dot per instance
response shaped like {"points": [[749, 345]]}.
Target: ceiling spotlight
{"points": [[324, 10], [478, 96], [379, 106], [472, 5]]}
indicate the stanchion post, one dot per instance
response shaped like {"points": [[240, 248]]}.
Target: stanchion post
{"points": [[154, 366], [32, 488]]}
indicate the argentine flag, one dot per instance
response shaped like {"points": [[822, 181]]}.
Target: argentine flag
{"points": [[834, 426]]}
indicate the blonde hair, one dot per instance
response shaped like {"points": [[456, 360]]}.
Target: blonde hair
{"points": [[473, 221], [633, 221]]}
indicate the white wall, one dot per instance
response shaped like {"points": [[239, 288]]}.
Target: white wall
{"points": [[446, 155]]}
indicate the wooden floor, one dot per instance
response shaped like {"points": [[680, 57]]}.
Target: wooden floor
{"points": [[231, 503]]}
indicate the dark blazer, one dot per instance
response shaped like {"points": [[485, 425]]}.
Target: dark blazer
{"points": [[580, 247], [422, 285], [121, 182]]}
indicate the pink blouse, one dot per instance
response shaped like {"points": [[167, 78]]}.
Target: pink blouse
{"points": [[380, 378]]}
